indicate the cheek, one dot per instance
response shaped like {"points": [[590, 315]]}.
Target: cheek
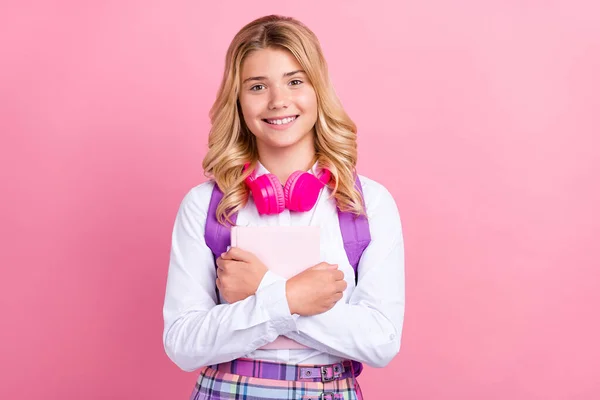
{"points": [[308, 102], [250, 109]]}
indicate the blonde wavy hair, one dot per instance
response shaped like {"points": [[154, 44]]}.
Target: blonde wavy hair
{"points": [[230, 142]]}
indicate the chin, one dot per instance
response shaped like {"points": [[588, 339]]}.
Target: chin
{"points": [[282, 144]]}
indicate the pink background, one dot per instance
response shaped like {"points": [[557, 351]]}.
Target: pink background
{"points": [[482, 118]]}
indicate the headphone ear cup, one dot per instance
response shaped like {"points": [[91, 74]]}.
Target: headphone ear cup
{"points": [[268, 194], [289, 191], [302, 191]]}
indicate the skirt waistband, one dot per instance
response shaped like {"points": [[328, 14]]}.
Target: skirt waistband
{"points": [[287, 372]]}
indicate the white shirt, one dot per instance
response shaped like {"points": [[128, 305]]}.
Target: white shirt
{"points": [[365, 325]]}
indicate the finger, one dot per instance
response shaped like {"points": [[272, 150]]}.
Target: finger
{"points": [[223, 265], [325, 266], [219, 262], [219, 285], [230, 267], [341, 286], [235, 253], [338, 275]]}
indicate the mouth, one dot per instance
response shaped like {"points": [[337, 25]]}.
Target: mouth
{"points": [[281, 122]]}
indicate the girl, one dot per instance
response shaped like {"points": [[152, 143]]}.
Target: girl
{"points": [[277, 120]]}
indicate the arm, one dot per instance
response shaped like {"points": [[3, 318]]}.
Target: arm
{"points": [[368, 327], [198, 331]]}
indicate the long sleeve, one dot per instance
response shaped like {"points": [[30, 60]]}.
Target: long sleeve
{"points": [[367, 326], [197, 330]]}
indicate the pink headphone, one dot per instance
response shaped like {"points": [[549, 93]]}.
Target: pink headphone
{"points": [[300, 192]]}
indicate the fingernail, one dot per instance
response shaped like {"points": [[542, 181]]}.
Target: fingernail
{"points": [[228, 247]]}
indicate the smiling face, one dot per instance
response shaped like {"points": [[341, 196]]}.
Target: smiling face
{"points": [[278, 102]]}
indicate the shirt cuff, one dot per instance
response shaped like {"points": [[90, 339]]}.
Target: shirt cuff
{"points": [[268, 279], [273, 298]]}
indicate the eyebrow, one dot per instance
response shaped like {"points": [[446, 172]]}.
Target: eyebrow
{"points": [[260, 78]]}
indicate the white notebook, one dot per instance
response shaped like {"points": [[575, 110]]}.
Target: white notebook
{"points": [[285, 250]]}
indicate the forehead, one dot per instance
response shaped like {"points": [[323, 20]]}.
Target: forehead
{"points": [[271, 62]]}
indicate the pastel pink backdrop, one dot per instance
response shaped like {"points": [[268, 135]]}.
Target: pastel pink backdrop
{"points": [[480, 117]]}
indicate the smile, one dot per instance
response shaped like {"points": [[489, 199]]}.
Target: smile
{"points": [[283, 121]]}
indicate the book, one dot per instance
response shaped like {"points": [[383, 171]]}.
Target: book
{"points": [[286, 251]]}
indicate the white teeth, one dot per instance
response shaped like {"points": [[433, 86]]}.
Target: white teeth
{"points": [[281, 121]]}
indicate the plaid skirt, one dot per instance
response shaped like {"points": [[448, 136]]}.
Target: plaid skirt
{"points": [[219, 382]]}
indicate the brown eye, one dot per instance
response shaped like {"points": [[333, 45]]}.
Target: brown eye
{"points": [[296, 80], [253, 88]]}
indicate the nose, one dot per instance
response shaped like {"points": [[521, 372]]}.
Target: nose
{"points": [[279, 97]]}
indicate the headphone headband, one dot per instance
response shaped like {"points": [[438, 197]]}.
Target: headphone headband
{"points": [[324, 175]]}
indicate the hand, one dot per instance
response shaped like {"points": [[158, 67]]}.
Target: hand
{"points": [[315, 290], [238, 274]]}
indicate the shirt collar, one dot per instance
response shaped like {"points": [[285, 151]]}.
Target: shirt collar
{"points": [[261, 170]]}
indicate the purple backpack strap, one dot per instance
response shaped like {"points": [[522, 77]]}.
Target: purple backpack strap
{"points": [[355, 232], [217, 236], [357, 236]]}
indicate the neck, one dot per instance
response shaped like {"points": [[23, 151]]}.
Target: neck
{"points": [[282, 162]]}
